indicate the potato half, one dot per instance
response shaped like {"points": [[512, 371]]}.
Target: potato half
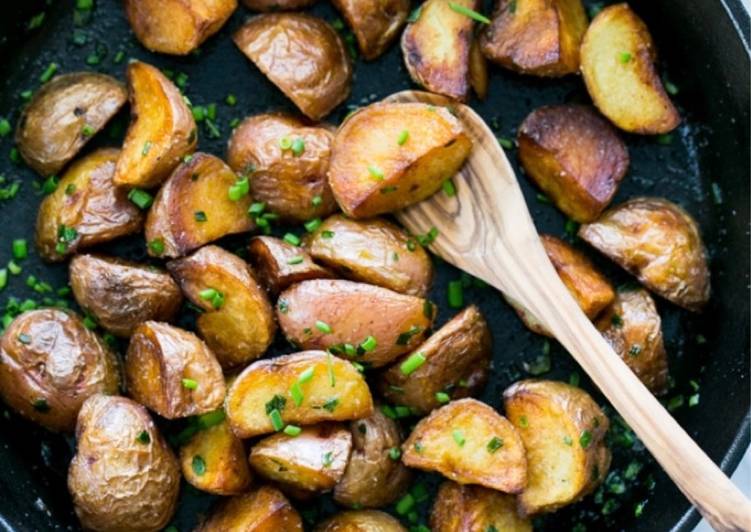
{"points": [[280, 265], [460, 508], [264, 509], [361, 521], [375, 23]]}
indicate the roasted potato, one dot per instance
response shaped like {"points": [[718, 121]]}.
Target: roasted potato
{"points": [[374, 477], [361, 521], [303, 56], [50, 363], [172, 372], [264, 509], [539, 37], [658, 242], [123, 476], [237, 321], [85, 209], [478, 70], [335, 392], [372, 251], [121, 294], [79, 105], [618, 66], [460, 508], [469, 442], [375, 23], [193, 208], [563, 431], [633, 328], [162, 129], [372, 323], [575, 157], [457, 361], [390, 155], [277, 5], [289, 180], [280, 265], [177, 26]]}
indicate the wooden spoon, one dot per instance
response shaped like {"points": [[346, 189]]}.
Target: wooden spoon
{"points": [[486, 230]]}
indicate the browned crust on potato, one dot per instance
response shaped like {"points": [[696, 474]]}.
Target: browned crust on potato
{"points": [[263, 509], [361, 521], [375, 23], [478, 70], [279, 266]]}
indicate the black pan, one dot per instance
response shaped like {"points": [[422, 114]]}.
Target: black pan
{"points": [[704, 52]]}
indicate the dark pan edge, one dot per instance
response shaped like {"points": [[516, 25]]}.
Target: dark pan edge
{"points": [[741, 20]]}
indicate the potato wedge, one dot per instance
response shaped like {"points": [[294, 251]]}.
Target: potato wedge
{"points": [[372, 251], [457, 362], [372, 172], [279, 264], [264, 509], [85, 209], [237, 322], [162, 129], [575, 157], [469, 442], [361, 521], [618, 66], [375, 23], [341, 316], [193, 208], [336, 392], [303, 56], [172, 372], [177, 26], [277, 5], [563, 431], [79, 104], [659, 243], [290, 180], [460, 508], [633, 328], [538, 37], [478, 70]]}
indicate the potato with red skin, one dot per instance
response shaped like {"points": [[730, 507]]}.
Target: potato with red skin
{"points": [[277, 5], [375, 23], [263, 509], [361, 521], [280, 265]]}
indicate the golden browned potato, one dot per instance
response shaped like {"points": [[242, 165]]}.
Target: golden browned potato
{"points": [[172, 372], [633, 328], [469, 442], [78, 105], [460, 508], [330, 389], [280, 265], [277, 5], [368, 323], [390, 155], [286, 162], [375, 476], [539, 37], [375, 23], [618, 66], [50, 363], [193, 208], [575, 157], [563, 431], [478, 70], [237, 321], [85, 209], [162, 129], [457, 361], [658, 242], [177, 26], [372, 251], [303, 56], [264, 509], [124, 475], [361, 521], [121, 294]]}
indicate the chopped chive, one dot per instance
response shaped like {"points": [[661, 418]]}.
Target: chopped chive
{"points": [[156, 246], [48, 73], [405, 337], [414, 361], [458, 438], [20, 249], [494, 444], [14, 268], [674, 403], [693, 400], [455, 294], [297, 394], [285, 143], [369, 344], [190, 384], [239, 190], [634, 350], [448, 188], [41, 405], [395, 453], [624, 57], [716, 195], [665, 139], [231, 99], [306, 375], [428, 238], [291, 238], [506, 143], [376, 173], [331, 404], [414, 16], [316, 201], [256, 208], [388, 411], [5, 127], [292, 430], [327, 459], [200, 216], [327, 234], [298, 147], [276, 420], [403, 138], [146, 148], [199, 465], [324, 327], [405, 504], [670, 88], [567, 440], [143, 437], [25, 339], [141, 198], [402, 411], [523, 422], [442, 397], [330, 369], [313, 225], [297, 259], [50, 185], [585, 439], [70, 189], [471, 13], [3, 278]]}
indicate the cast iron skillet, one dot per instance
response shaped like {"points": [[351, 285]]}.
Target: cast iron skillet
{"points": [[705, 167]]}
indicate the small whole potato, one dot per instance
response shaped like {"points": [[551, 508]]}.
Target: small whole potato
{"points": [[280, 265], [263, 509], [375, 23], [361, 521], [461, 508]]}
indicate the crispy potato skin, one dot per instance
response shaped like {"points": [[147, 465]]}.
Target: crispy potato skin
{"points": [[277, 5], [71, 102], [361, 521], [95, 208], [545, 414], [432, 447], [159, 357], [303, 56], [198, 186], [375, 23], [478, 70], [460, 508], [243, 327], [435, 150], [271, 258], [177, 26], [117, 482], [628, 91], [264, 509], [353, 311], [162, 129], [50, 364], [658, 242], [372, 251], [575, 156], [636, 335], [121, 294], [372, 478], [458, 351], [285, 182]]}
